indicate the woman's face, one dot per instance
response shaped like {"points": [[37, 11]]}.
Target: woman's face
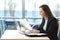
{"points": [[42, 13]]}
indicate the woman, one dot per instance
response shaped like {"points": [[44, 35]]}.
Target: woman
{"points": [[49, 23]]}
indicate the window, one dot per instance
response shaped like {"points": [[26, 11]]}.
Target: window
{"points": [[28, 9], [15, 6]]}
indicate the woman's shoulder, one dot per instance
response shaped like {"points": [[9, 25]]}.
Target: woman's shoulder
{"points": [[53, 19]]}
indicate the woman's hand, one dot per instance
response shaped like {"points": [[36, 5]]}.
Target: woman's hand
{"points": [[34, 31]]}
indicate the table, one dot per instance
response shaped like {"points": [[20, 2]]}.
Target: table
{"points": [[14, 34]]}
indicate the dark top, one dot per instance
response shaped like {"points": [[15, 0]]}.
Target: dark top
{"points": [[51, 29]]}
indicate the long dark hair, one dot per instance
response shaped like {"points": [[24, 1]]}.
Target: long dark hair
{"points": [[46, 10]]}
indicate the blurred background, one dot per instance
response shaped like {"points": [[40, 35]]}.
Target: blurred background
{"points": [[14, 10]]}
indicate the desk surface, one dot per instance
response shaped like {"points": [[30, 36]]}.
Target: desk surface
{"points": [[14, 34]]}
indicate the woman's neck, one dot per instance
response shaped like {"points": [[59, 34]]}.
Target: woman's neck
{"points": [[46, 17]]}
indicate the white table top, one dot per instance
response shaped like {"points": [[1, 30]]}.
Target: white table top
{"points": [[14, 34]]}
